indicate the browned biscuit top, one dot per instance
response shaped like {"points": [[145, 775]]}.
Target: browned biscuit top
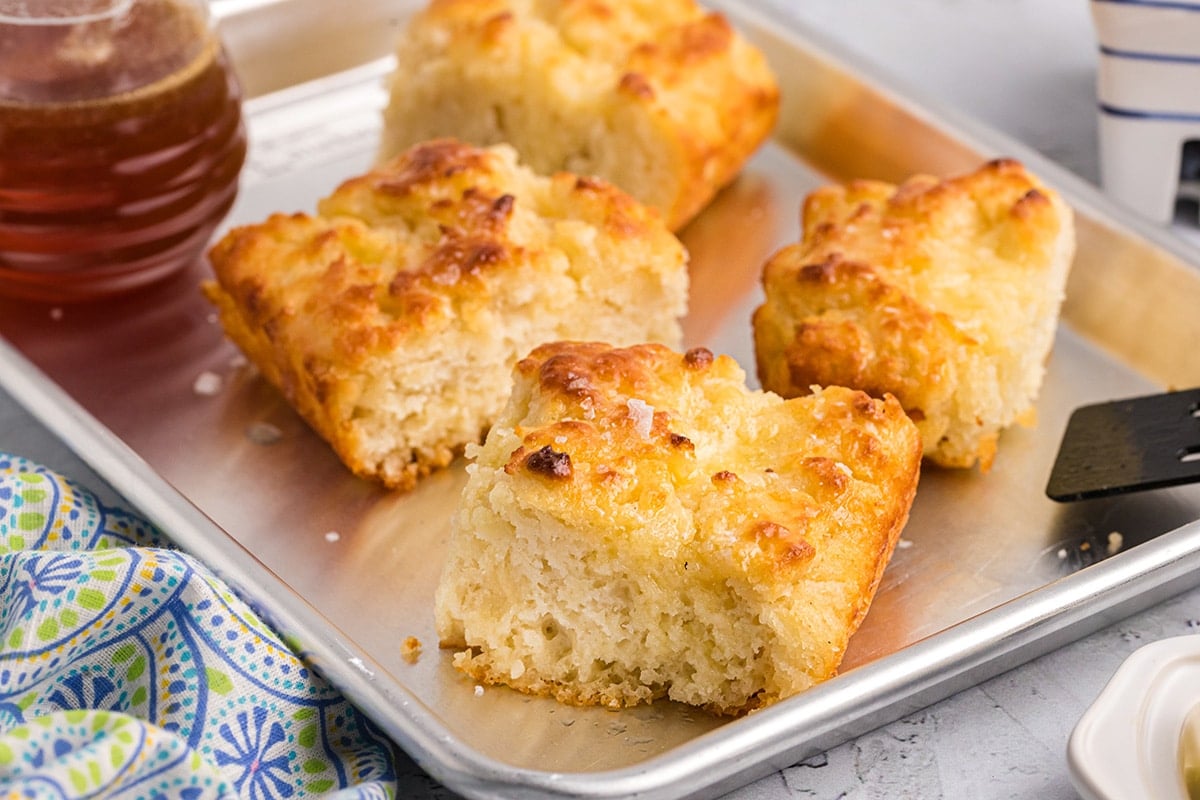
{"points": [[410, 246], [620, 434]]}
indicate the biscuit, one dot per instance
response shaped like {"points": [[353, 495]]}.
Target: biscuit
{"points": [[639, 524], [944, 293], [661, 98], [391, 319]]}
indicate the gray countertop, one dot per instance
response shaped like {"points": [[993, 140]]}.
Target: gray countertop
{"points": [[1026, 67]]}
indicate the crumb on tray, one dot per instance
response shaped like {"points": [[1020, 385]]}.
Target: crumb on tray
{"points": [[263, 433], [207, 384]]}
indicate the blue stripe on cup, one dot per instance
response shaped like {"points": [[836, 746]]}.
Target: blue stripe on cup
{"points": [[1134, 113], [1143, 56], [1179, 6]]}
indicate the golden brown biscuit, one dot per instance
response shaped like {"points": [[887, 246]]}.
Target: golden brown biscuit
{"points": [[639, 524], [945, 294], [661, 98], [391, 320]]}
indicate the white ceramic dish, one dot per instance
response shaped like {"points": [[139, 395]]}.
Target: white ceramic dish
{"points": [[1126, 745]]}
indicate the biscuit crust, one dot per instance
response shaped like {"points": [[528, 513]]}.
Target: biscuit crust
{"points": [[944, 293]]}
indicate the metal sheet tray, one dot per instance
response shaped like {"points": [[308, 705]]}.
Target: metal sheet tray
{"points": [[990, 572]]}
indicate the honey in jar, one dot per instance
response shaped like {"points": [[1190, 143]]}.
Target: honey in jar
{"points": [[121, 141]]}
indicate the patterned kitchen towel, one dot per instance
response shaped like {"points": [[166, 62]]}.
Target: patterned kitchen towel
{"points": [[127, 669]]}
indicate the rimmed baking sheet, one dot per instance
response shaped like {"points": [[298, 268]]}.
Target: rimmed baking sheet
{"points": [[989, 573]]}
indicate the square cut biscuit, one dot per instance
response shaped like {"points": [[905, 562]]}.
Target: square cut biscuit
{"points": [[944, 293], [392, 318], [660, 97], [639, 524]]}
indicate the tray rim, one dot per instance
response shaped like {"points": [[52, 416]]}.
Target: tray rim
{"points": [[740, 750]]}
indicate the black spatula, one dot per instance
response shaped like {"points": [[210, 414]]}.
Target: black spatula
{"points": [[1130, 445]]}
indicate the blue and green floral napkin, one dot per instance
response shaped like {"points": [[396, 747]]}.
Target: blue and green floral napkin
{"points": [[127, 669]]}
